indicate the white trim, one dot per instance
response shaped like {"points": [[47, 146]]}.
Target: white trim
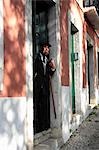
{"points": [[1, 46], [91, 42], [80, 2], [69, 48], [78, 69], [29, 74], [54, 1], [89, 39], [73, 18], [54, 39], [97, 49]]}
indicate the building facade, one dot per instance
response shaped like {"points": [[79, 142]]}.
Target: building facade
{"points": [[16, 88], [73, 31], [72, 28]]}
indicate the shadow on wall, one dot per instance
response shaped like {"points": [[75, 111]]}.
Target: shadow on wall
{"points": [[14, 48], [13, 110], [12, 131]]}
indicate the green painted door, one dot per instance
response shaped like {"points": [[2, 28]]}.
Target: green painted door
{"points": [[72, 71]]}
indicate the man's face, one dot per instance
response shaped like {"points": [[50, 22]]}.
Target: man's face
{"points": [[46, 50]]}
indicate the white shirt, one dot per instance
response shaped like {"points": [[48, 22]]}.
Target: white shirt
{"points": [[44, 63]]}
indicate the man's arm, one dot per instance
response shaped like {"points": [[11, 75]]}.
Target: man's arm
{"points": [[52, 67]]}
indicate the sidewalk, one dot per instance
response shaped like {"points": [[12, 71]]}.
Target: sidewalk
{"points": [[86, 137]]}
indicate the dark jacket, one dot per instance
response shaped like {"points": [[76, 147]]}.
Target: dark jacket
{"points": [[41, 80], [41, 94]]}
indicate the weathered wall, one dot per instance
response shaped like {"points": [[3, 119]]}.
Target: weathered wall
{"points": [[64, 43], [70, 12], [12, 128], [73, 12], [16, 97], [66, 122], [14, 82]]}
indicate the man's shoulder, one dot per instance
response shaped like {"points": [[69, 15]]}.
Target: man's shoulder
{"points": [[37, 56]]}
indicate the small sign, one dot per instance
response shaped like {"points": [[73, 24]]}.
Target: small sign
{"points": [[74, 56]]}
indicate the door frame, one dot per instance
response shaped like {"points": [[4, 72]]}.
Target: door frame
{"points": [[74, 30], [52, 3], [90, 46]]}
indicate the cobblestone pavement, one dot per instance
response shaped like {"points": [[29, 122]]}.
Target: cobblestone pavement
{"points": [[86, 137]]}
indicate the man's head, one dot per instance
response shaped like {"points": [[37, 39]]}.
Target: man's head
{"points": [[45, 48]]}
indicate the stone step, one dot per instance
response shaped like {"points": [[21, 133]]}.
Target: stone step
{"points": [[50, 144]]}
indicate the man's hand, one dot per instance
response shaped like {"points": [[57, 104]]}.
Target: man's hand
{"points": [[52, 64]]}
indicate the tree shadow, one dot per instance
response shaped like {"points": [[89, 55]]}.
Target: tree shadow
{"points": [[12, 126], [14, 49], [13, 109]]}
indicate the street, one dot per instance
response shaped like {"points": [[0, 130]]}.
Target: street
{"points": [[86, 137]]}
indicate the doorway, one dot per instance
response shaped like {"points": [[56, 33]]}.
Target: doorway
{"points": [[90, 73], [40, 34], [74, 31]]}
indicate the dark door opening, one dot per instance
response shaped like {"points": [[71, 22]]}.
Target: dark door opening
{"points": [[40, 34], [90, 72]]}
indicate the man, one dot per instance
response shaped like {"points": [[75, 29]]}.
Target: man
{"points": [[43, 69]]}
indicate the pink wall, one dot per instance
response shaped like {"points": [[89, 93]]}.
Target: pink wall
{"points": [[14, 49], [73, 6], [64, 43], [64, 7]]}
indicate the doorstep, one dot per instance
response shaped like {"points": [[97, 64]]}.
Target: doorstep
{"points": [[42, 136], [91, 106], [49, 144]]}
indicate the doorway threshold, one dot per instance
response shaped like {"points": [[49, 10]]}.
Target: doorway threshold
{"points": [[49, 144], [42, 136], [91, 106]]}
